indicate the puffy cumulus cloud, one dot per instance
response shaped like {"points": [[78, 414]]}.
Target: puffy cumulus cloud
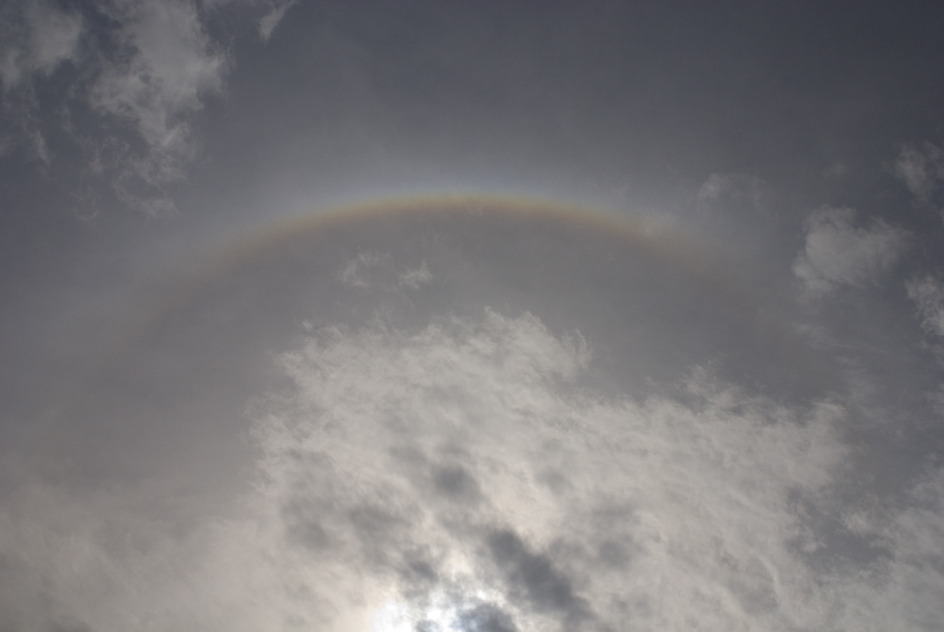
{"points": [[838, 253], [921, 168], [142, 71], [459, 478], [928, 295]]}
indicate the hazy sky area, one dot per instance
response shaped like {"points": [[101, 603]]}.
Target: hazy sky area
{"points": [[492, 316]]}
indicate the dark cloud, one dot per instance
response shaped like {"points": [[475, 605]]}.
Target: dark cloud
{"points": [[454, 482], [534, 578], [485, 618]]}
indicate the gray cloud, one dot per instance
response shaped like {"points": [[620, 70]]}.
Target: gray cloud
{"points": [[38, 42], [355, 272], [728, 454], [928, 296], [839, 253], [533, 578], [731, 189], [415, 278], [921, 168], [378, 270], [141, 71], [169, 68], [270, 20], [39, 37]]}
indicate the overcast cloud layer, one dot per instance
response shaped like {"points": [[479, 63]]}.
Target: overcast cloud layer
{"points": [[643, 328]]}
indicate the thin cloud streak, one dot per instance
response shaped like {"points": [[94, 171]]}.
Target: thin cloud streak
{"points": [[269, 22]]}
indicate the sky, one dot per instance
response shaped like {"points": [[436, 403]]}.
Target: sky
{"points": [[426, 316]]}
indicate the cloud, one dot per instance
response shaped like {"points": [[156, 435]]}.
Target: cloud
{"points": [[460, 477], [836, 170], [109, 561], [171, 67], [731, 189], [465, 460], [415, 278], [270, 20], [928, 295], [921, 168], [38, 38], [355, 273], [143, 72], [37, 41], [909, 595], [375, 270], [838, 253]]}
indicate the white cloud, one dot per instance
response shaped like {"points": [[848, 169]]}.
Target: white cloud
{"points": [[928, 295], [172, 68], [838, 253], [461, 473], [146, 87], [921, 168], [909, 595], [414, 278], [355, 273], [375, 270], [270, 20]]}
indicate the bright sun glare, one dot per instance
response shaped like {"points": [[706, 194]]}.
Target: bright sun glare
{"points": [[443, 612], [396, 616]]}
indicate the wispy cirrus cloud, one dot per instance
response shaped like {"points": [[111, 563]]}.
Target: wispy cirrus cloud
{"points": [[271, 20]]}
